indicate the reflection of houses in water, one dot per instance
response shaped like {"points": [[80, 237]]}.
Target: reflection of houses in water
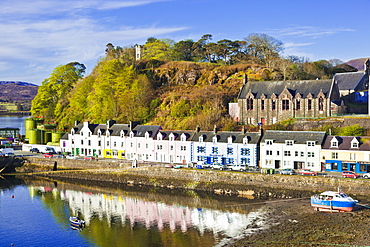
{"points": [[156, 214]]}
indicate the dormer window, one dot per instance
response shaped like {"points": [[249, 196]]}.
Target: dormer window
{"points": [[214, 139], [131, 135], [146, 135], [334, 143], [229, 140], [172, 138], [81, 133], [245, 140], [200, 138], [99, 134], [354, 143], [183, 138], [160, 137]]}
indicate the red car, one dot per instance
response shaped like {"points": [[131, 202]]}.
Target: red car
{"points": [[348, 174], [48, 155], [307, 172], [88, 158]]}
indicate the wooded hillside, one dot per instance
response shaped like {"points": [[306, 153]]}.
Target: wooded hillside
{"points": [[176, 85]]}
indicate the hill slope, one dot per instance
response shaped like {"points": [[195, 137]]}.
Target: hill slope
{"points": [[17, 91]]}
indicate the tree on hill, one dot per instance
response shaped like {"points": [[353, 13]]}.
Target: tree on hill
{"points": [[51, 97]]}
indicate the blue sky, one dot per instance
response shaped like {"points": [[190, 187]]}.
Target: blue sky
{"points": [[37, 36]]}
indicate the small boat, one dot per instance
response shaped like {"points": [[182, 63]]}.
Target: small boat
{"points": [[76, 221], [333, 201]]}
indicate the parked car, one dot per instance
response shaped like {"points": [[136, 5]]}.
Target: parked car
{"points": [[34, 150], [307, 172], [89, 158], [71, 157], [239, 167], [349, 174], [287, 172], [48, 155], [218, 166], [180, 166], [366, 175]]}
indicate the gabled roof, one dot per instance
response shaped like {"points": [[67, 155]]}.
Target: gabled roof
{"points": [[299, 137], [344, 143], [117, 128], [348, 81], [140, 130], [268, 88], [177, 134]]}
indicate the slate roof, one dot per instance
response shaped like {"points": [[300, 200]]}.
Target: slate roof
{"points": [[177, 134], [344, 143], [276, 87], [299, 137], [116, 129], [348, 81], [222, 136], [140, 130]]}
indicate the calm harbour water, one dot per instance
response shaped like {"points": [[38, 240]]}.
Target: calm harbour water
{"points": [[13, 122], [36, 212]]}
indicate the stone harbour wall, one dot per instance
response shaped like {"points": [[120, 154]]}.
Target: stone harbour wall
{"points": [[221, 182]]}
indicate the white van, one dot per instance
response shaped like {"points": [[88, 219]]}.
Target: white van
{"points": [[240, 167], [7, 151]]}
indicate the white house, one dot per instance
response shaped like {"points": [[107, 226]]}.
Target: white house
{"points": [[291, 149]]}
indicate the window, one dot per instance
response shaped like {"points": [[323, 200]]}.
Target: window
{"points": [[296, 154], [245, 161], [262, 104], [302, 154], [268, 152], [289, 143], [99, 143], [114, 144], [159, 147], [298, 104], [245, 151], [138, 145], [309, 104], [229, 150], [89, 142], [214, 150], [201, 149], [334, 143], [273, 105], [321, 104], [310, 144], [183, 148], [352, 156], [268, 142], [285, 104], [146, 145], [334, 155], [107, 143], [82, 142], [171, 147], [286, 153], [354, 144], [249, 104], [310, 154]]}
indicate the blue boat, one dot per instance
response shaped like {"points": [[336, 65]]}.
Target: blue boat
{"points": [[333, 201], [76, 221]]}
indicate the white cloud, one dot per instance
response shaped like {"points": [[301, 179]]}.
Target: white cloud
{"points": [[308, 31], [34, 41]]}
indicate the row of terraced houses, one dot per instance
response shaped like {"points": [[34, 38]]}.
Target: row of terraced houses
{"points": [[270, 149]]}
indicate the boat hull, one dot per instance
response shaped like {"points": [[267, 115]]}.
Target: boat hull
{"points": [[76, 222], [333, 205]]}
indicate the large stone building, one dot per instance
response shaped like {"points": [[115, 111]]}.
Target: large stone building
{"points": [[269, 102]]}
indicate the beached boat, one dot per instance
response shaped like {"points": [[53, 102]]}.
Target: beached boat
{"points": [[333, 201], [76, 222]]}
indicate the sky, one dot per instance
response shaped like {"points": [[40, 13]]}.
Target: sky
{"points": [[37, 36]]}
